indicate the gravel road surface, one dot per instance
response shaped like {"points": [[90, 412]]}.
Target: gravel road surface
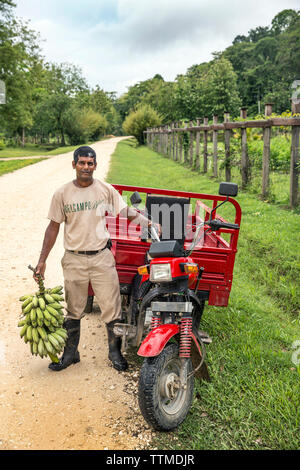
{"points": [[89, 405]]}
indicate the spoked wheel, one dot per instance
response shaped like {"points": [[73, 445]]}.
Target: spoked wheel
{"points": [[163, 402]]}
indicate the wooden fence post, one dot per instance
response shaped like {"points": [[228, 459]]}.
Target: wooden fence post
{"points": [[198, 146], [191, 161], [176, 142], [294, 175], [245, 167], [170, 140], [205, 139], [173, 140], [266, 154], [180, 142], [227, 134], [215, 147], [166, 139], [159, 143]]}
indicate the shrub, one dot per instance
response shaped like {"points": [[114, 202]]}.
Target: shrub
{"points": [[280, 153], [84, 125], [137, 122]]}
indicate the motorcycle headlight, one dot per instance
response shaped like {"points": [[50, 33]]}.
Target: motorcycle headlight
{"points": [[160, 273]]}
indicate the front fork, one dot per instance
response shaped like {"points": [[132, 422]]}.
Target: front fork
{"points": [[185, 342]]}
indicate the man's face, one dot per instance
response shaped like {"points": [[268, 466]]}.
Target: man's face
{"points": [[85, 168]]}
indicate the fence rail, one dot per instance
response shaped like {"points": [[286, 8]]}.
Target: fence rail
{"points": [[169, 140]]}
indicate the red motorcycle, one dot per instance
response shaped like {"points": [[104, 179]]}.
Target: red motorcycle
{"points": [[164, 296]]}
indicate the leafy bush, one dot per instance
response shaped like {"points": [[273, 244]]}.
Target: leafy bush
{"points": [[280, 153], [2, 144], [84, 125], [138, 121]]}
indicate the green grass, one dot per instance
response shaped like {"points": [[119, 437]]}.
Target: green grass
{"points": [[31, 150], [253, 399], [12, 165]]}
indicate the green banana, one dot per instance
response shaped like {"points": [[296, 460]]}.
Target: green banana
{"points": [[47, 316], [28, 307], [59, 338], [34, 348], [56, 305], [41, 347], [29, 332], [53, 357], [57, 297], [56, 290], [24, 297], [35, 301], [62, 332], [52, 311], [49, 347], [33, 314], [42, 333], [22, 323], [49, 298], [27, 301], [54, 342], [35, 335], [42, 303]]}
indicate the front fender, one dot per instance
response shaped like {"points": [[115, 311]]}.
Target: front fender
{"points": [[156, 340]]}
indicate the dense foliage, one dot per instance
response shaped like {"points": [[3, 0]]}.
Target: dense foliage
{"points": [[49, 102], [258, 68]]}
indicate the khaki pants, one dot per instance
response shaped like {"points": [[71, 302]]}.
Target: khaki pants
{"points": [[100, 270]]}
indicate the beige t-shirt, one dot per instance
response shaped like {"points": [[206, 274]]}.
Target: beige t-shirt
{"points": [[83, 211]]}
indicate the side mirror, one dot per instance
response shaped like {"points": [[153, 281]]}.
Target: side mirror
{"points": [[135, 199], [228, 189]]}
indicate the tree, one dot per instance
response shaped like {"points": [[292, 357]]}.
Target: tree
{"points": [[283, 20], [137, 122], [221, 92], [19, 52]]}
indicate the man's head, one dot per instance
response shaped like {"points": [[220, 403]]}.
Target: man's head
{"points": [[85, 164], [84, 151]]}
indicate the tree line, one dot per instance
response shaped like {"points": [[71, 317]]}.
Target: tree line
{"points": [[255, 69], [47, 101]]}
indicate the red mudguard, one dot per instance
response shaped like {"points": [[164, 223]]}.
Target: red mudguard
{"points": [[156, 340]]}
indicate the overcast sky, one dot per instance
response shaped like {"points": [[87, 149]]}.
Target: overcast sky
{"points": [[118, 43]]}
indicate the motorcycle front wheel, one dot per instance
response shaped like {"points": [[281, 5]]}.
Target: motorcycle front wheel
{"points": [[163, 402]]}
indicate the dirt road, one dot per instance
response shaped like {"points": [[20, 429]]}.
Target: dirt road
{"points": [[88, 405]]}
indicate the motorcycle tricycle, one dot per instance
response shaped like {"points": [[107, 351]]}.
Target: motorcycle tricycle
{"points": [[165, 282]]}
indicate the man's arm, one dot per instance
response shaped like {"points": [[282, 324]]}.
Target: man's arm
{"points": [[49, 240]]}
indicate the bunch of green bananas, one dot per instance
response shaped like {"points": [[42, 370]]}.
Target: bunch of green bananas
{"points": [[42, 321]]}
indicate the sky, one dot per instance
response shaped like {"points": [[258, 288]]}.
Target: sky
{"points": [[118, 43]]}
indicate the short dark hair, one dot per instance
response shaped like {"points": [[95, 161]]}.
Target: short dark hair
{"points": [[84, 151]]}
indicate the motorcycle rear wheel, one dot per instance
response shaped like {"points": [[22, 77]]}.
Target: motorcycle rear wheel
{"points": [[163, 404]]}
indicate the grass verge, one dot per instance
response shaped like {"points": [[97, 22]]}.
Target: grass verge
{"points": [[252, 401], [12, 165], [31, 150]]}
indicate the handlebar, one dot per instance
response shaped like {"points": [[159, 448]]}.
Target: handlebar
{"points": [[217, 224]]}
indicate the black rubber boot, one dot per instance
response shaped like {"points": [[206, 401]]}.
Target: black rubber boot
{"points": [[71, 353], [114, 348]]}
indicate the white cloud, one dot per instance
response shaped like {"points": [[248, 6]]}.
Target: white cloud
{"points": [[120, 42]]}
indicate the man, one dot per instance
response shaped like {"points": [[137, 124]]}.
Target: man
{"points": [[81, 205]]}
